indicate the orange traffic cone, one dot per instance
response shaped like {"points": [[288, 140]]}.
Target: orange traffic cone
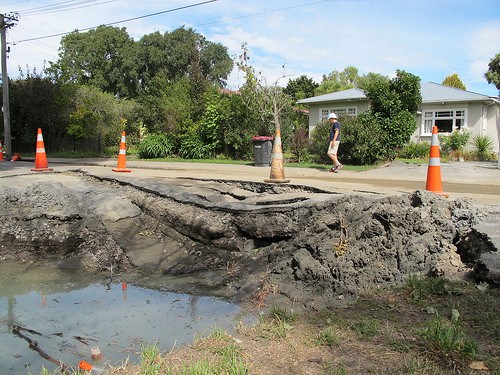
{"points": [[41, 157], [434, 170], [277, 168], [16, 157], [122, 157], [1, 152]]}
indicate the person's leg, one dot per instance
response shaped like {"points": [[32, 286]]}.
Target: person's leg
{"points": [[334, 158], [332, 153]]}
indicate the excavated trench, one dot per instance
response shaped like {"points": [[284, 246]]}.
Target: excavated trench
{"points": [[259, 242]]}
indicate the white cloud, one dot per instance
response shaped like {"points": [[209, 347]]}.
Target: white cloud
{"points": [[482, 46]]}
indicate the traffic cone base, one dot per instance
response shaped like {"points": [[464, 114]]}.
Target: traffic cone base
{"points": [[41, 157], [122, 157], [434, 170], [277, 174]]}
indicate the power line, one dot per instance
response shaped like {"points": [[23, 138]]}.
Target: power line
{"points": [[264, 12], [122, 21], [62, 7]]}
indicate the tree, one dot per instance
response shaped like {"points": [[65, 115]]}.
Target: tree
{"points": [[347, 79], [105, 58], [493, 73], [338, 81], [301, 88], [366, 79], [166, 106], [454, 81], [268, 101], [394, 105], [327, 87], [110, 60], [37, 102], [100, 114]]}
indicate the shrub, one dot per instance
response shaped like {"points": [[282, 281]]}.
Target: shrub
{"points": [[483, 146], [360, 140], [456, 141], [318, 145], [157, 146], [193, 147], [415, 150]]}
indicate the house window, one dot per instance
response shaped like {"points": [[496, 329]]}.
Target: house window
{"points": [[324, 112], [446, 121]]}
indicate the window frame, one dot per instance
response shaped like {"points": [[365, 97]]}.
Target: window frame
{"points": [[433, 114], [324, 112]]}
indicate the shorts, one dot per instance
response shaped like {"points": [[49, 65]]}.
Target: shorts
{"points": [[333, 149]]}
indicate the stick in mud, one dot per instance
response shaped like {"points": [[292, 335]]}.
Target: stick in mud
{"points": [[83, 339], [34, 345]]}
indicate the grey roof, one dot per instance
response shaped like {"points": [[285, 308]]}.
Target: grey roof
{"points": [[434, 92], [431, 92], [349, 94]]}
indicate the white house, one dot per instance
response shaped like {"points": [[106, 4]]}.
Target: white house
{"points": [[446, 107]]}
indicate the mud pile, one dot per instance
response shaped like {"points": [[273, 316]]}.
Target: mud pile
{"points": [[314, 252]]}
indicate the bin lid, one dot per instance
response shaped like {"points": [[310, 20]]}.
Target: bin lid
{"points": [[263, 138]]}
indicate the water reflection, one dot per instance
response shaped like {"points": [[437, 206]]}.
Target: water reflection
{"points": [[74, 310]]}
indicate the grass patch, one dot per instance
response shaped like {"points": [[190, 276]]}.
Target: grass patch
{"points": [[423, 287], [447, 340], [330, 337], [367, 328]]}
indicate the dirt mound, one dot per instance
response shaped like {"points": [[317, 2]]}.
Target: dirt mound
{"points": [[356, 244], [315, 252]]}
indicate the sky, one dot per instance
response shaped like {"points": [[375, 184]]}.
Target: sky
{"points": [[286, 38]]}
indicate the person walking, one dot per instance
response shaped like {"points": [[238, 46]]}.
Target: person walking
{"points": [[333, 146]]}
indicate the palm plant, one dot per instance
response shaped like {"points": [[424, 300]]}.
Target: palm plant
{"points": [[483, 146]]}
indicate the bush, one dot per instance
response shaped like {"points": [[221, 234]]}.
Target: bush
{"points": [[193, 147], [318, 145], [155, 146], [360, 140], [483, 146], [415, 150], [456, 141]]}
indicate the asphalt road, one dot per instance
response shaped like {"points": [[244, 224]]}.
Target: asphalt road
{"points": [[477, 180]]}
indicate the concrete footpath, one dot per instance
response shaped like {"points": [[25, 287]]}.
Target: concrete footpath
{"points": [[477, 180]]}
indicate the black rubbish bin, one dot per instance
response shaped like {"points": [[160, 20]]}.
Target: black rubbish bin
{"points": [[262, 147]]}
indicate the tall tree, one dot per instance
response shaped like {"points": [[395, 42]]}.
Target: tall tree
{"points": [[110, 60], [300, 88], [366, 79], [454, 81], [105, 58], [214, 62], [38, 102], [493, 73]]}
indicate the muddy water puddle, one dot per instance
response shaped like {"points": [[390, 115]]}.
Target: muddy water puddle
{"points": [[70, 311]]}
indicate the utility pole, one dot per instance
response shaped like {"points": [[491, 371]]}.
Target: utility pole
{"points": [[5, 23]]}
